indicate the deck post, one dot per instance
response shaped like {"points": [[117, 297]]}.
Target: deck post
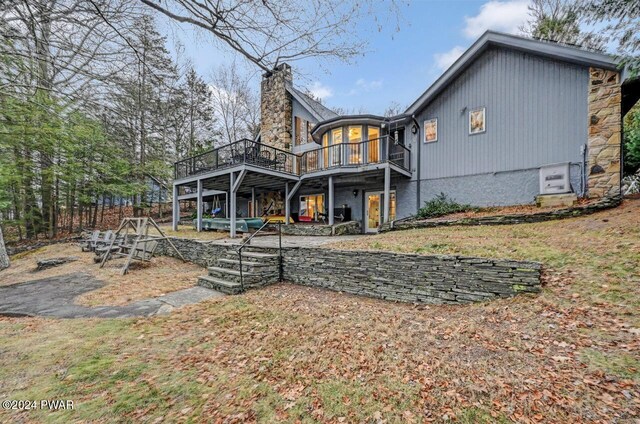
{"points": [[331, 200], [387, 192], [287, 204], [232, 204], [176, 209], [199, 205], [253, 202]]}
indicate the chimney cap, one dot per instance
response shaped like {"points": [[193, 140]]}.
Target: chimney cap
{"points": [[282, 67]]}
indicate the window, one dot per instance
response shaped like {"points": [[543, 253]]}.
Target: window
{"points": [[354, 148], [301, 131], [336, 146], [325, 151], [311, 206], [374, 144], [431, 130], [477, 121]]}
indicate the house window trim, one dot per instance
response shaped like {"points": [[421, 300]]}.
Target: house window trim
{"points": [[484, 118], [426, 121]]}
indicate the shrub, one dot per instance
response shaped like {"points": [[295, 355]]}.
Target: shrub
{"points": [[441, 205]]}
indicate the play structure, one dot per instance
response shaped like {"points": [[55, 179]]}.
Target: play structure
{"points": [[138, 245]]}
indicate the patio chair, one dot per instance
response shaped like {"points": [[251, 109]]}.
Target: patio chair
{"points": [[89, 244], [265, 158]]}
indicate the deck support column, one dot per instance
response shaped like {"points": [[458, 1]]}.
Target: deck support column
{"points": [[252, 213], [232, 206], [387, 192], [287, 204], [176, 209], [199, 205], [331, 201]]}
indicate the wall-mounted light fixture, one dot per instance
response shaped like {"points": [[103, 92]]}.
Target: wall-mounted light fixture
{"points": [[414, 129], [355, 193]]}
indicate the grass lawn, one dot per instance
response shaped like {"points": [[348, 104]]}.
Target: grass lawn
{"points": [[187, 231], [295, 354]]}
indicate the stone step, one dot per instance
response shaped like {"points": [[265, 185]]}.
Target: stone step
{"points": [[221, 271], [227, 287], [258, 255], [245, 263], [251, 279]]}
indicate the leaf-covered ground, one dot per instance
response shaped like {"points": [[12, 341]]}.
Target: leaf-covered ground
{"points": [[162, 275], [294, 354]]}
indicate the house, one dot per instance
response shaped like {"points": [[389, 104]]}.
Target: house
{"points": [[511, 119]]}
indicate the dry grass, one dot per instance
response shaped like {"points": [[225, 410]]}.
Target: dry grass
{"points": [[187, 231], [601, 250], [162, 275], [294, 354]]}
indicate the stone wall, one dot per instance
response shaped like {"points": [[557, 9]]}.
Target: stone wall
{"points": [[411, 278], [604, 144], [203, 253], [385, 275], [276, 110], [340, 229], [572, 212]]}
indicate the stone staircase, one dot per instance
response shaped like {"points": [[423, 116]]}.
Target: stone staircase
{"points": [[259, 268]]}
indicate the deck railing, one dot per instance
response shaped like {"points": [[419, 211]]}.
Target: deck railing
{"points": [[379, 150]]}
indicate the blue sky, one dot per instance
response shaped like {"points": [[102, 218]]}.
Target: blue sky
{"points": [[397, 66]]}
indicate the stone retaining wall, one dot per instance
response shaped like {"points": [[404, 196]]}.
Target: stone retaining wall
{"points": [[203, 253], [341, 229], [411, 278], [390, 276], [606, 203]]}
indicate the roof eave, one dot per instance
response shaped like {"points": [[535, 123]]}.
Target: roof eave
{"points": [[490, 38]]}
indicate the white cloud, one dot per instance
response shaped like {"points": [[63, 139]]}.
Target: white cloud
{"points": [[320, 91], [369, 85], [504, 16], [444, 60]]}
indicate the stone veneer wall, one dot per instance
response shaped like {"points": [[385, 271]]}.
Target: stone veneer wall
{"points": [[390, 276], [604, 143], [276, 108], [411, 278], [203, 253]]}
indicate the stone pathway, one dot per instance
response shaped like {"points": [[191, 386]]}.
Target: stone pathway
{"points": [[292, 241], [54, 297]]}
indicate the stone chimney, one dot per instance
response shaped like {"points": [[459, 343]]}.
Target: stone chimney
{"points": [[605, 144], [276, 108]]}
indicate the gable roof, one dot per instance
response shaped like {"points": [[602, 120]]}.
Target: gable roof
{"points": [[315, 108], [547, 49]]}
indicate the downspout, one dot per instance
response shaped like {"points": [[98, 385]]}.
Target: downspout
{"points": [[583, 150], [418, 143]]}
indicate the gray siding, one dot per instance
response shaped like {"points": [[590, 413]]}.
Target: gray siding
{"points": [[302, 112], [536, 114]]}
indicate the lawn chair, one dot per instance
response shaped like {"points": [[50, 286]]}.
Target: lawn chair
{"points": [[105, 240], [89, 244]]}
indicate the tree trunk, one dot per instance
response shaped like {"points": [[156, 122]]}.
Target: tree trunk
{"points": [[4, 257]]}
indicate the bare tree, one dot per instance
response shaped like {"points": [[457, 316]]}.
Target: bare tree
{"points": [[235, 104], [270, 32], [393, 109], [4, 257]]}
